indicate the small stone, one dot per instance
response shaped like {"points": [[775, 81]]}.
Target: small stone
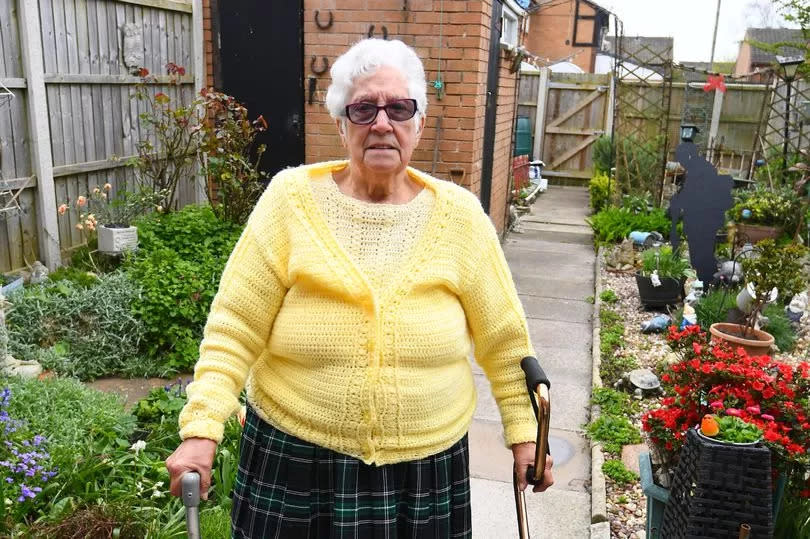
{"points": [[630, 506]]}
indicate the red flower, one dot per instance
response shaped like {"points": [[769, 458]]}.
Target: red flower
{"points": [[753, 410], [759, 386]]}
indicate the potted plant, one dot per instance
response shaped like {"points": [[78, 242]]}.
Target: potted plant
{"points": [[764, 213], [662, 276], [111, 216], [775, 270], [728, 429], [715, 379]]}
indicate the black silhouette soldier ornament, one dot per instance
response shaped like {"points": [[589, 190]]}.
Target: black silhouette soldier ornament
{"points": [[701, 201]]}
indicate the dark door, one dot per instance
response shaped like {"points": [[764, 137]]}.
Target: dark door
{"points": [[260, 63], [493, 72]]}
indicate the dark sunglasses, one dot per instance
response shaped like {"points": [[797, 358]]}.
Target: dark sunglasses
{"points": [[365, 113]]}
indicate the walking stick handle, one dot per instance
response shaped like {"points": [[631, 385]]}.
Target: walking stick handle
{"points": [[190, 489]]}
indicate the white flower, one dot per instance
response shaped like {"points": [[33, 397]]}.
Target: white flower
{"points": [[157, 494], [138, 446]]}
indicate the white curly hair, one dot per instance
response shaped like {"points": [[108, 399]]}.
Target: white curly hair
{"points": [[363, 59]]}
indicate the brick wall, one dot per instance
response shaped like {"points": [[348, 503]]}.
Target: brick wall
{"points": [[209, 43], [551, 34], [462, 57]]}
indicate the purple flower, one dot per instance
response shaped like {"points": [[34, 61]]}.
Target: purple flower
{"points": [[9, 479]]}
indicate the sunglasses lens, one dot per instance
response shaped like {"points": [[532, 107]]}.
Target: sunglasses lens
{"points": [[361, 113], [400, 111]]}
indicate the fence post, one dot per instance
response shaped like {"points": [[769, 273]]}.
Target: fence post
{"points": [[715, 125], [199, 84], [40, 133], [540, 116]]}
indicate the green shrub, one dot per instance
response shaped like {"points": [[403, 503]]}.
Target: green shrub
{"points": [[613, 402], [614, 432], [603, 156], [616, 470], [609, 296], [79, 277], [178, 267], [714, 305], [639, 164], [601, 189], [81, 332], [779, 326], [612, 224], [193, 233]]}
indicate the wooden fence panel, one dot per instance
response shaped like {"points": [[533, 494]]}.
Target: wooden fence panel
{"points": [[93, 121]]}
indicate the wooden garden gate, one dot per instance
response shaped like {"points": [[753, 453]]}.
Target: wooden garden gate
{"points": [[571, 111]]}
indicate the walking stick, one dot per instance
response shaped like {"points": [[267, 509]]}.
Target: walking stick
{"points": [[538, 385], [190, 488]]}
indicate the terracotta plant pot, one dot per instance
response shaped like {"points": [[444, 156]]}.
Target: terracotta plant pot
{"points": [[757, 233], [758, 345]]}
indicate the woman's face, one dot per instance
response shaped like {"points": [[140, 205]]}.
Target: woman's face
{"points": [[385, 146]]}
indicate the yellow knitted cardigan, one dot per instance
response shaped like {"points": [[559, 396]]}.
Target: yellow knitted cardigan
{"points": [[382, 376]]}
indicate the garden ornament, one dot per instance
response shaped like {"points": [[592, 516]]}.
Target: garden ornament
{"points": [[729, 272], [646, 239], [133, 46], [656, 325], [643, 382], [39, 273], [701, 201], [324, 65], [328, 24], [689, 316], [622, 257], [695, 292], [797, 307]]}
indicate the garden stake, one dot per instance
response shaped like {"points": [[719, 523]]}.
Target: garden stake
{"points": [[190, 490]]}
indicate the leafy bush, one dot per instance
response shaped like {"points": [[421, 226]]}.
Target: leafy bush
{"points": [[601, 189], [779, 326], [779, 207], [178, 267], [612, 224], [614, 432], [609, 296], [81, 332], [603, 156], [639, 164], [616, 470]]}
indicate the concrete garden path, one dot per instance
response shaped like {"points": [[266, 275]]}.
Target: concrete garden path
{"points": [[552, 263]]}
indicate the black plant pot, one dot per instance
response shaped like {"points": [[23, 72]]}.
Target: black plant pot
{"points": [[669, 293]]}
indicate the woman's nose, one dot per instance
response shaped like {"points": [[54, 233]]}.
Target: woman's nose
{"points": [[382, 122]]}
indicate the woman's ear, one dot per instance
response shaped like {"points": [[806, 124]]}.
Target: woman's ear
{"points": [[340, 123]]}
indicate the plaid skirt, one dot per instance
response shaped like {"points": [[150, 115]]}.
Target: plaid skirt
{"points": [[287, 488]]}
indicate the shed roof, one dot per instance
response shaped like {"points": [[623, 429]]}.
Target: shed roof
{"points": [[640, 49], [773, 35]]}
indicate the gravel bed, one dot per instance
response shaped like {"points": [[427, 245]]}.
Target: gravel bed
{"points": [[626, 504]]}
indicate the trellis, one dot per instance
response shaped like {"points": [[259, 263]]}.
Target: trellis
{"points": [[775, 143], [643, 94]]}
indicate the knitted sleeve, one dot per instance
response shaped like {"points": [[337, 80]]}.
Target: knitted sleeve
{"points": [[500, 333], [238, 327]]}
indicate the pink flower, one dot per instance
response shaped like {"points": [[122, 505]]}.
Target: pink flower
{"points": [[62, 209], [81, 201], [717, 405], [753, 410], [767, 417], [734, 412], [107, 186]]}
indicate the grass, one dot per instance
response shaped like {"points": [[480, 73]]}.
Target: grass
{"points": [[784, 335], [616, 470]]}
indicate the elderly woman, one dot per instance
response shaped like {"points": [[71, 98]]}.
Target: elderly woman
{"points": [[350, 306]]}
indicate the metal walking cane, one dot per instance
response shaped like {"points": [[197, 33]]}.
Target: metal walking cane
{"points": [[190, 490], [538, 385]]}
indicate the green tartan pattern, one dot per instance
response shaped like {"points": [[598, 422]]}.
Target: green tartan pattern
{"points": [[287, 488]]}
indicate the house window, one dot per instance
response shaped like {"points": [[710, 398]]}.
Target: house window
{"points": [[509, 27]]}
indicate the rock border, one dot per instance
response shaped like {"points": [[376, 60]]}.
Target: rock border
{"points": [[600, 527]]}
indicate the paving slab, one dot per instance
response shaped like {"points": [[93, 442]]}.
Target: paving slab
{"points": [[528, 243], [575, 336], [490, 459], [562, 310], [552, 286], [554, 514], [573, 271], [520, 256]]}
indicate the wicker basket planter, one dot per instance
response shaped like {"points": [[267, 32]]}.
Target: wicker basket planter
{"points": [[717, 487], [756, 233]]}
